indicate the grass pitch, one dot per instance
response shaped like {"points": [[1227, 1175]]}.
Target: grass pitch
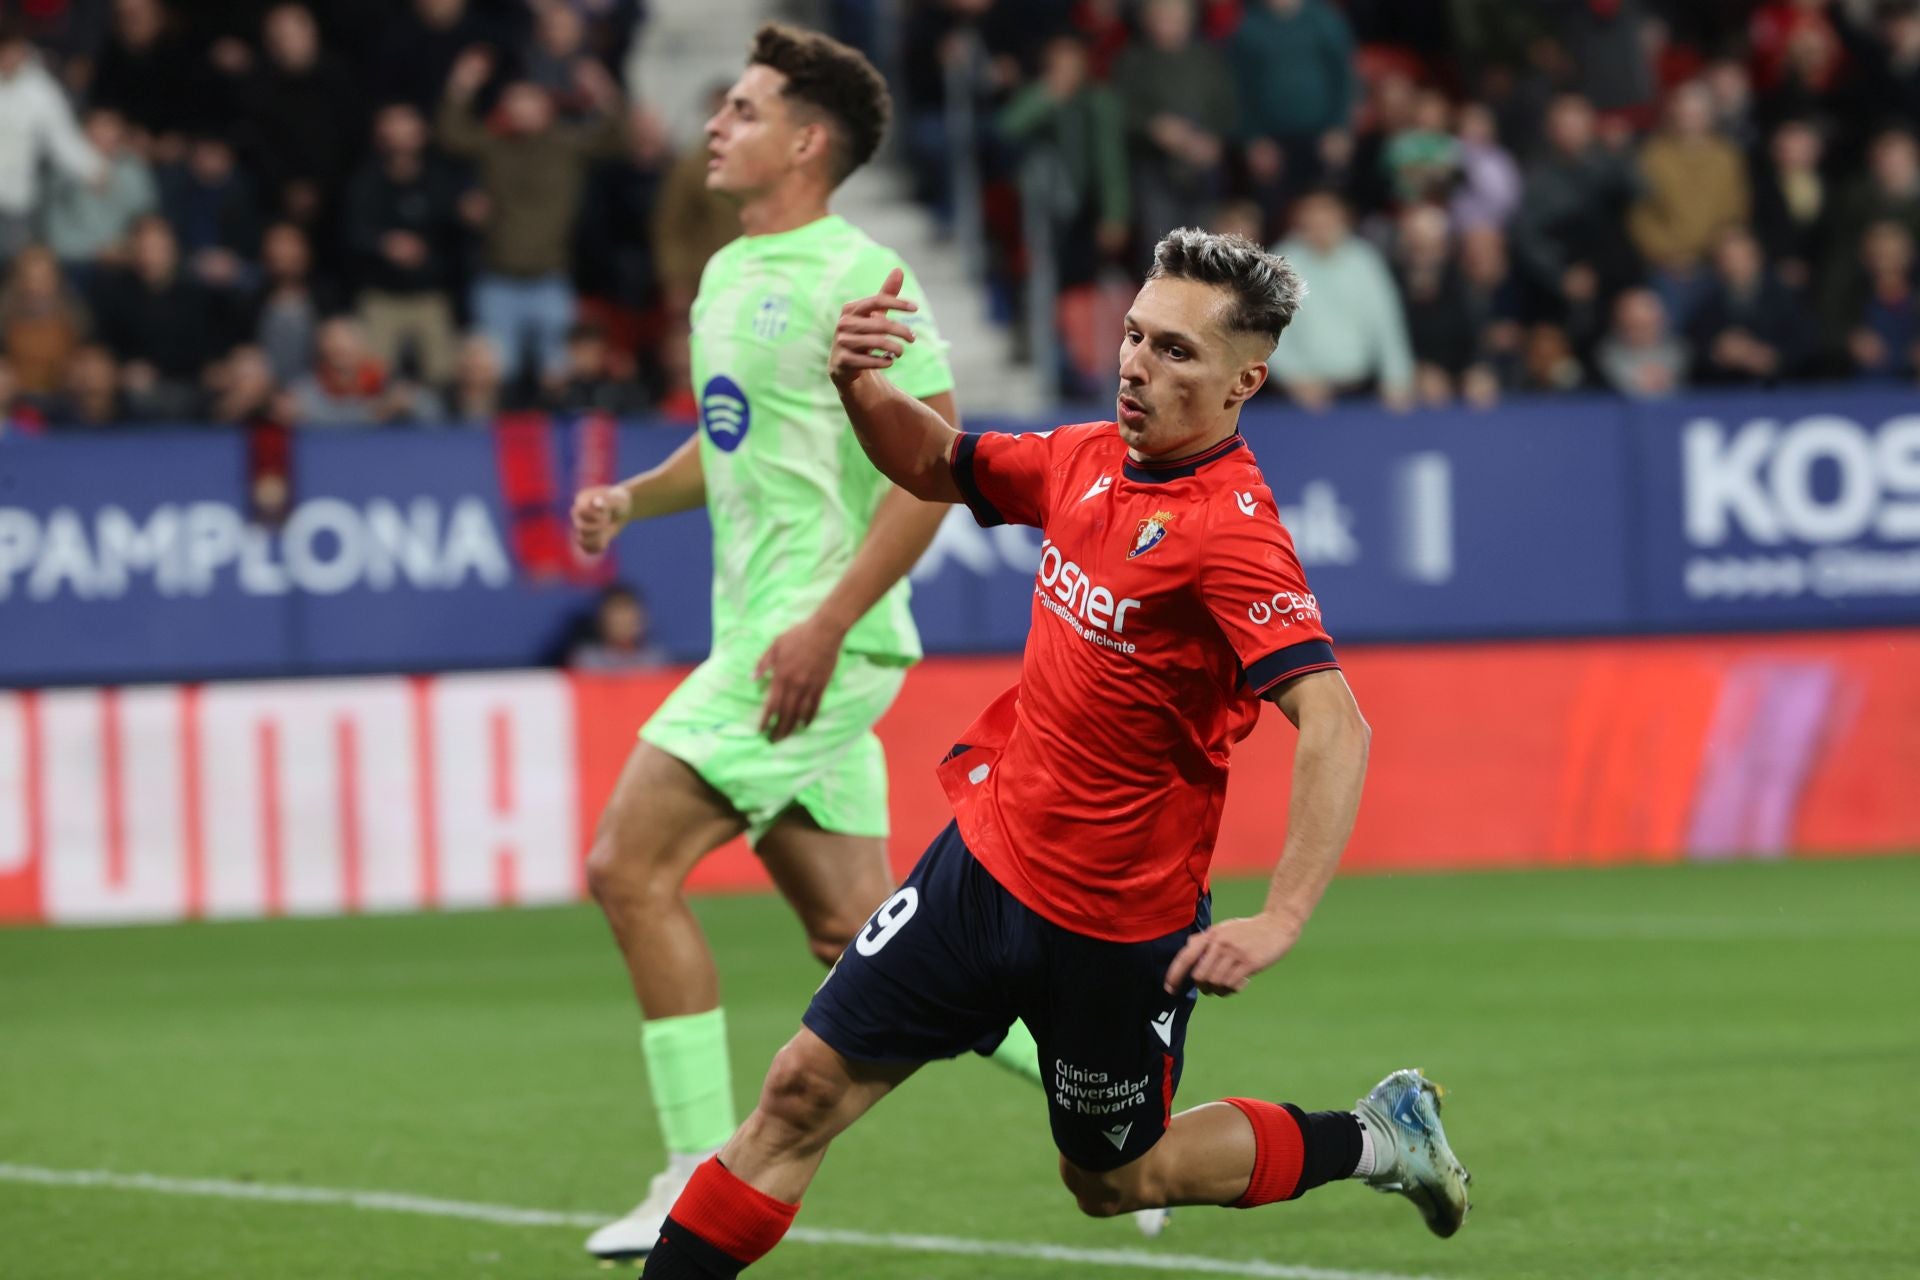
{"points": [[1694, 1072]]}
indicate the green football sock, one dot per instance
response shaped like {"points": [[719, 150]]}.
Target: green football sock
{"points": [[692, 1080], [1019, 1054]]}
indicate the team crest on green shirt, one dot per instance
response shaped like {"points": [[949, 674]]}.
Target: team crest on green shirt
{"points": [[770, 321]]}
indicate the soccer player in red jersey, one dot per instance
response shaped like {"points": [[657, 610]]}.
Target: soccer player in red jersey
{"points": [[1071, 889]]}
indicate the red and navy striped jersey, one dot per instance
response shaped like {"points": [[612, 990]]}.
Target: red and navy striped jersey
{"points": [[1168, 601]]}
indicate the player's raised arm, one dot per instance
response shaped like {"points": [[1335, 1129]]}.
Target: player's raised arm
{"points": [[906, 439]]}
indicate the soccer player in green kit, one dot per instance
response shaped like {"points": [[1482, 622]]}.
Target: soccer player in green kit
{"points": [[772, 736]]}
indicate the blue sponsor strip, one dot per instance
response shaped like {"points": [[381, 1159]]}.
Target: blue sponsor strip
{"points": [[135, 557]]}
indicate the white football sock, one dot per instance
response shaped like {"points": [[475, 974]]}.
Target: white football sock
{"points": [[1365, 1168]]}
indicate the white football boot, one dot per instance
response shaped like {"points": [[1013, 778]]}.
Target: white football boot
{"points": [[1152, 1221], [1411, 1155], [632, 1236]]}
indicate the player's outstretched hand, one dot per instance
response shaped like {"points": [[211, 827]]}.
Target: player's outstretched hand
{"points": [[598, 513], [800, 663], [1222, 959], [866, 337]]}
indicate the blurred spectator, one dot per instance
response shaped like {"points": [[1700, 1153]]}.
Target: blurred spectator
{"points": [[403, 232], [1730, 88], [1606, 43], [1792, 209], [1294, 75], [971, 47], [243, 386], [1079, 124], [304, 114], [1423, 160], [149, 73], [1494, 35], [690, 222], [164, 327], [1355, 164], [1749, 329], [1882, 319], [17, 413], [1890, 192], [1640, 357], [291, 303], [1439, 314], [1353, 338], [91, 395], [42, 322], [1693, 187], [348, 386], [69, 33], [87, 219], [1495, 300], [210, 204], [423, 40], [1103, 25], [1489, 189], [1239, 218], [1795, 47], [38, 121], [550, 58], [1568, 233], [595, 382], [1886, 77], [1178, 96], [621, 638], [532, 170], [475, 396], [1548, 362], [612, 245]]}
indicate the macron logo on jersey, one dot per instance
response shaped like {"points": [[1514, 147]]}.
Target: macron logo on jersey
{"points": [[1099, 487]]}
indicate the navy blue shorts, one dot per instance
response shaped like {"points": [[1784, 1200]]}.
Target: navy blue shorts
{"points": [[951, 959]]}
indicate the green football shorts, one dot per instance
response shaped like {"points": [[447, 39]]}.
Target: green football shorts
{"points": [[834, 768]]}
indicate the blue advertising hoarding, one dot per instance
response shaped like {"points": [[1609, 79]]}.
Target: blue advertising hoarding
{"points": [[1787, 509], [135, 556]]}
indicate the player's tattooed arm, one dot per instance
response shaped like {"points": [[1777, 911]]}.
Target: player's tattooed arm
{"points": [[1329, 765], [907, 440], [677, 484]]}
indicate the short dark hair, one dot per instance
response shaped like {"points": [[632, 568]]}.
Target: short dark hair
{"points": [[833, 79], [1266, 290]]}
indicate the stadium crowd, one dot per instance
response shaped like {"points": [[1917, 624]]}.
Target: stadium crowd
{"points": [[361, 212], [338, 214], [1484, 197]]}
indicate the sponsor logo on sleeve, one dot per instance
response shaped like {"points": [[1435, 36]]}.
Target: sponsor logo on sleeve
{"points": [[1288, 606]]}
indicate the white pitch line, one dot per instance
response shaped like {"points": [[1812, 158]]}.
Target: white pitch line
{"points": [[511, 1216]]}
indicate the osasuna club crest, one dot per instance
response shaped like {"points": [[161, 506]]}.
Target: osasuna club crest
{"points": [[1152, 530]]}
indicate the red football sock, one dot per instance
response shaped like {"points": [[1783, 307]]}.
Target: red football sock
{"points": [[741, 1222], [1279, 1152]]}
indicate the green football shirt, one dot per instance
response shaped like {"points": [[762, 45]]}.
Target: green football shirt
{"points": [[789, 491]]}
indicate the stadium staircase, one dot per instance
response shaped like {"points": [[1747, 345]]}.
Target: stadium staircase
{"points": [[689, 47]]}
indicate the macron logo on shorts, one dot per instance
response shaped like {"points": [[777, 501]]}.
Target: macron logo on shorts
{"points": [[1163, 1027], [1118, 1135]]}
